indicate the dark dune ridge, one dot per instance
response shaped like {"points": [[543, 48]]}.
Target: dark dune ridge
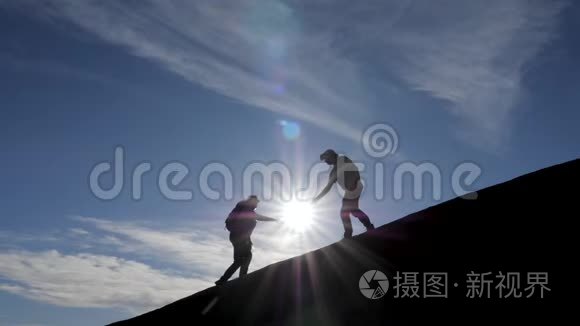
{"points": [[523, 225]]}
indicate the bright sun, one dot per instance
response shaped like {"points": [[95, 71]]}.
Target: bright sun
{"points": [[297, 215]]}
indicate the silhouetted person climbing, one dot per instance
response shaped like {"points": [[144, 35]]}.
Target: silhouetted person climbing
{"points": [[241, 222], [345, 172]]}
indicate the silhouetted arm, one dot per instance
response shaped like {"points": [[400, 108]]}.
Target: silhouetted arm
{"points": [[265, 218], [331, 181]]}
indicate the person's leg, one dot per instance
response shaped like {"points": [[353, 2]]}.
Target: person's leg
{"points": [[345, 217], [358, 213], [229, 272], [245, 265], [238, 260], [246, 258]]}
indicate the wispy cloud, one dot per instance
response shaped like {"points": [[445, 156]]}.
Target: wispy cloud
{"points": [[14, 239], [204, 250], [251, 51], [473, 55], [200, 250], [311, 59]]}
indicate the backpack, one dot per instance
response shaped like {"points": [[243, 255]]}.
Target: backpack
{"points": [[237, 224], [230, 223]]}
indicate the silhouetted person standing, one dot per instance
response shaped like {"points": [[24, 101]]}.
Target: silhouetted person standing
{"points": [[241, 222], [346, 174]]}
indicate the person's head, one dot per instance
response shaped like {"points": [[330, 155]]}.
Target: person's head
{"points": [[329, 156], [252, 201]]}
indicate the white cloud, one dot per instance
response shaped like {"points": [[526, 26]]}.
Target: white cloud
{"points": [[78, 231], [92, 274], [201, 249], [86, 280], [13, 239], [197, 249]]}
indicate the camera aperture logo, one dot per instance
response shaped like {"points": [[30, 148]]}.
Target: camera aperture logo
{"points": [[373, 284]]}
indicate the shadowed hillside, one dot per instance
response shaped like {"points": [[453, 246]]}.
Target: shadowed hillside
{"points": [[524, 225]]}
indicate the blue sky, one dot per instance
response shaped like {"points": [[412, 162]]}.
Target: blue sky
{"points": [[492, 83]]}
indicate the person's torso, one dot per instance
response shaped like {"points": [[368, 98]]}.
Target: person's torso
{"points": [[244, 221], [347, 174]]}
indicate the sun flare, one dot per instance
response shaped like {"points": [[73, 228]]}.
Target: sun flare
{"points": [[298, 215]]}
